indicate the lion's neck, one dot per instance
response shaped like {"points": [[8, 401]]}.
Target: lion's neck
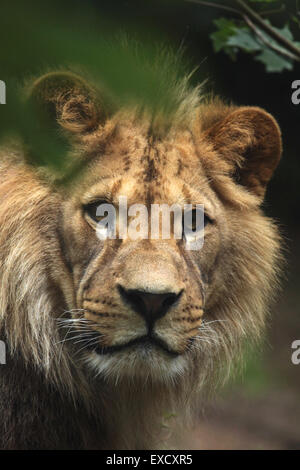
{"points": [[35, 415]]}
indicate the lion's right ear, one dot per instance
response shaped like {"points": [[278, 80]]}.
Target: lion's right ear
{"points": [[248, 139], [68, 100]]}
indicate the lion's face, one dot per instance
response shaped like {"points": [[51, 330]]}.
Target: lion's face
{"points": [[143, 307], [144, 298], [150, 307]]}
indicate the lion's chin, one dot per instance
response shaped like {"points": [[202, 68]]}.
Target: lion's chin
{"points": [[141, 364]]}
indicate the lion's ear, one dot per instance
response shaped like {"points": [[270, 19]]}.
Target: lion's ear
{"points": [[68, 100], [249, 139]]}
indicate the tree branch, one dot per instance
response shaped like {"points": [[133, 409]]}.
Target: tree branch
{"points": [[268, 29], [273, 12], [278, 50], [216, 5]]}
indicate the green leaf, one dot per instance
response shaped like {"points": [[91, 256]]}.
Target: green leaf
{"points": [[244, 39], [226, 29], [230, 38], [274, 62], [285, 31]]}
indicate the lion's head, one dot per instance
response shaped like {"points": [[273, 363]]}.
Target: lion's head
{"points": [[139, 310]]}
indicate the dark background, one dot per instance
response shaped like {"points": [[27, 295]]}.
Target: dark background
{"points": [[262, 408]]}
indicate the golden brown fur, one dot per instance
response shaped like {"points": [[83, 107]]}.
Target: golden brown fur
{"points": [[54, 267]]}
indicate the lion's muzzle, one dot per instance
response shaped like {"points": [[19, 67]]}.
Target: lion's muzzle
{"points": [[146, 302]]}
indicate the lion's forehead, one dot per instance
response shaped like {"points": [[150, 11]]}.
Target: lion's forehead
{"points": [[148, 170]]}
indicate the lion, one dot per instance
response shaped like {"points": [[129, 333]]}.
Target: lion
{"points": [[105, 337]]}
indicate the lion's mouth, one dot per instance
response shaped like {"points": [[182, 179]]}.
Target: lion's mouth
{"points": [[146, 341]]}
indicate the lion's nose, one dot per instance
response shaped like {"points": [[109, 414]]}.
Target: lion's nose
{"points": [[150, 306]]}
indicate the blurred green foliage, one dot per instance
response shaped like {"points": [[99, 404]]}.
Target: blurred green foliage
{"points": [[36, 37], [255, 374], [128, 66]]}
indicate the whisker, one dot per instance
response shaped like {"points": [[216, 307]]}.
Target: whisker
{"points": [[72, 338], [90, 343], [213, 321], [88, 336]]}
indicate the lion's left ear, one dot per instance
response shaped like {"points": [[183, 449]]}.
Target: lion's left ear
{"points": [[67, 100], [249, 139]]}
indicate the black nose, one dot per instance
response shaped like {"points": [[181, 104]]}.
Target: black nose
{"points": [[150, 306]]}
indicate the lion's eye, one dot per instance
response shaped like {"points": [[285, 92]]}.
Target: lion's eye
{"points": [[102, 215], [93, 210], [195, 220]]}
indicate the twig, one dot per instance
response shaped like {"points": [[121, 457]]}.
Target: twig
{"points": [[275, 48], [268, 29], [216, 5], [273, 12]]}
